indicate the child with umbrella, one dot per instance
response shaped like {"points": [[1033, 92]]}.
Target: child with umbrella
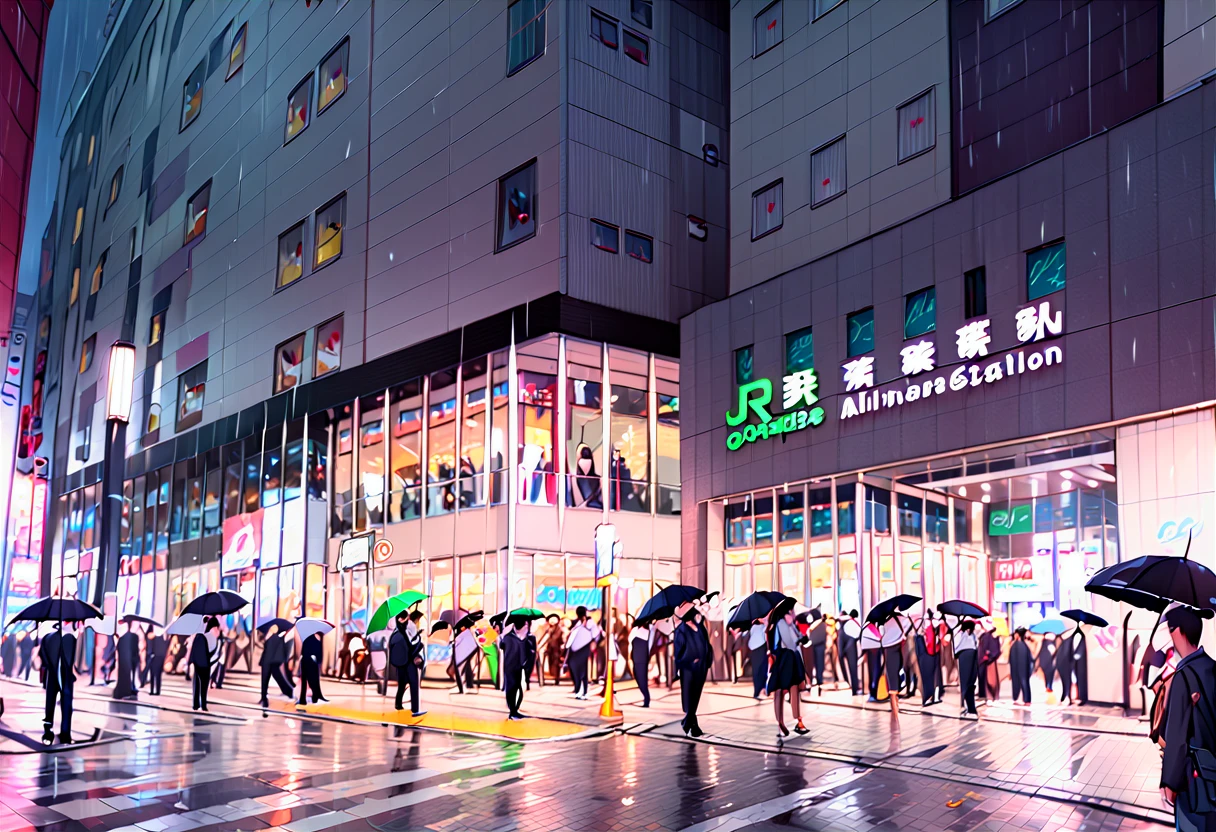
{"points": [[786, 671]]}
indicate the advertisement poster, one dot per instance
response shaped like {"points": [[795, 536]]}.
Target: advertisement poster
{"points": [[1023, 579], [242, 542]]}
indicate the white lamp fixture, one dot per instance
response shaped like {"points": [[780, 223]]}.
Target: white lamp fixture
{"points": [[120, 386]]}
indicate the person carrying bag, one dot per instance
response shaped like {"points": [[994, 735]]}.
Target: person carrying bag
{"points": [[1188, 764]]}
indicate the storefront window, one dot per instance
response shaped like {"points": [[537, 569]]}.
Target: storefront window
{"points": [[581, 590], [550, 582], [137, 517], [178, 513], [585, 439], [471, 470], [232, 480], [149, 545], [500, 446], [667, 380], [629, 435], [790, 508], [537, 363], [371, 461], [253, 475], [272, 471], [937, 522], [343, 512], [521, 582], [211, 501], [405, 500], [441, 586], [846, 496], [739, 523], [293, 469], [472, 586], [194, 499], [962, 522], [878, 510], [764, 521], [441, 444], [162, 511], [318, 470]]}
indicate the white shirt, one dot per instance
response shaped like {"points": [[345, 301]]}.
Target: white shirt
{"points": [[965, 641], [581, 634], [755, 636], [641, 633]]}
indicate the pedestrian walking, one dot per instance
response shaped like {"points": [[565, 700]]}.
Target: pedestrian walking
{"points": [[893, 659], [966, 647], [310, 668], [1188, 764], [1080, 662], [25, 651], [849, 634], [274, 653], [57, 654], [1047, 661], [127, 651], [407, 654], [1021, 666], [154, 659], [516, 656], [692, 659], [1064, 668], [817, 638], [200, 662], [219, 652], [873, 656], [578, 651], [639, 652], [990, 677], [927, 650], [757, 650], [787, 671]]}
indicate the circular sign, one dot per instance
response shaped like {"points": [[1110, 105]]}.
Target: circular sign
{"points": [[382, 551]]}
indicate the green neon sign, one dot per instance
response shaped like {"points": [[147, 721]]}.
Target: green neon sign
{"points": [[799, 391], [1017, 519]]}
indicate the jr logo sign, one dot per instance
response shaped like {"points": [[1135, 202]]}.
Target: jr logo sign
{"points": [[754, 400]]}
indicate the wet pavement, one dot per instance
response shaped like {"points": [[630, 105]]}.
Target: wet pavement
{"points": [[164, 770]]}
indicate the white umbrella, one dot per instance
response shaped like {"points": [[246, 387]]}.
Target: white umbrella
{"points": [[187, 624], [310, 626], [851, 628], [892, 633], [871, 638]]}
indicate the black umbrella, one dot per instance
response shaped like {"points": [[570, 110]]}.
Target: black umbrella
{"points": [[665, 601], [962, 609], [1165, 577], [452, 616], [883, 610], [1083, 617], [439, 625], [220, 602], [132, 618], [469, 620], [754, 607], [497, 620], [1133, 597], [282, 623], [58, 609]]}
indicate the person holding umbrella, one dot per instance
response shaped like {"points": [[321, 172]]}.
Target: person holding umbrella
{"points": [[990, 676], [787, 671], [274, 653], [817, 638], [966, 647], [310, 668], [692, 659], [407, 654], [200, 662], [847, 637], [154, 648], [127, 651], [57, 654], [516, 657], [1190, 725], [1077, 651], [927, 648], [757, 649], [639, 653], [1021, 666]]}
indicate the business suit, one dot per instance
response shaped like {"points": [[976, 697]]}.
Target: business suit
{"points": [[926, 661], [639, 651], [274, 653], [1047, 663], [200, 660], [156, 663], [405, 654], [1080, 665], [58, 653], [1184, 729], [515, 657], [1064, 667], [818, 637], [1021, 665], [692, 658], [128, 665], [847, 645], [990, 652], [310, 668]]}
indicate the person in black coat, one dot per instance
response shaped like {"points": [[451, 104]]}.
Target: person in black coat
{"points": [[927, 649], [310, 668], [406, 653], [1080, 663], [1021, 666], [274, 653], [154, 647], [200, 662], [516, 656], [639, 654], [1047, 661], [128, 664], [846, 645], [8, 655], [25, 649], [1190, 724], [1064, 651], [692, 660], [989, 653], [58, 653], [817, 638]]}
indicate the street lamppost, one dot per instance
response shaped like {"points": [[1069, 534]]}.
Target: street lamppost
{"points": [[119, 392]]}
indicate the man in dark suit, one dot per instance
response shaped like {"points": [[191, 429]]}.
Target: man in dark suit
{"points": [[1190, 725], [58, 654], [1080, 662], [274, 653], [310, 669], [847, 645], [405, 653], [517, 653], [154, 647]]}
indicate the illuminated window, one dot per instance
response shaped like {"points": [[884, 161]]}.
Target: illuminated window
{"points": [[603, 29], [767, 214], [605, 237], [526, 28], [1045, 271], [637, 47], [327, 347], [192, 95], [743, 365], [766, 29], [517, 205], [920, 313], [861, 332], [330, 224], [667, 379], [156, 330], [639, 246], [642, 12], [405, 452], [536, 363], [191, 386], [799, 351], [441, 443], [87, 349], [196, 212], [289, 363], [98, 272], [827, 172], [297, 109], [291, 256], [333, 76], [75, 294], [471, 465], [916, 131], [115, 186], [79, 224], [236, 54]]}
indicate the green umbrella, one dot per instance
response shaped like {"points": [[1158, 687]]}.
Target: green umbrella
{"points": [[491, 651], [393, 607], [528, 612]]}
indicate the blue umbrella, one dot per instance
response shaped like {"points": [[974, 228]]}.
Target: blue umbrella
{"points": [[1050, 625]]}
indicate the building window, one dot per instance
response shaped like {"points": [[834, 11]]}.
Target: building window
{"points": [[297, 109], [291, 256], [827, 172], [87, 349], [1045, 271], [75, 293], [526, 27], [639, 246], [766, 29], [156, 329], [330, 223], [861, 332], [79, 224], [799, 351], [920, 313], [236, 55], [916, 131], [698, 229], [637, 47], [822, 7], [333, 76], [405, 452], [132, 241], [517, 204], [327, 347], [995, 7], [743, 365], [603, 29], [191, 385], [115, 186], [192, 95], [441, 443], [605, 237], [975, 293], [642, 12], [196, 212], [289, 364], [98, 273], [767, 214]]}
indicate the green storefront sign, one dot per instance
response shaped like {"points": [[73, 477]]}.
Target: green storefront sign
{"points": [[799, 391], [1016, 519]]}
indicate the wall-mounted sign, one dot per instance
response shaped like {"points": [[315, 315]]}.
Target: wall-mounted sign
{"points": [[355, 551], [607, 548], [1023, 579], [799, 395], [242, 542], [382, 551], [1173, 530], [1015, 519]]}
